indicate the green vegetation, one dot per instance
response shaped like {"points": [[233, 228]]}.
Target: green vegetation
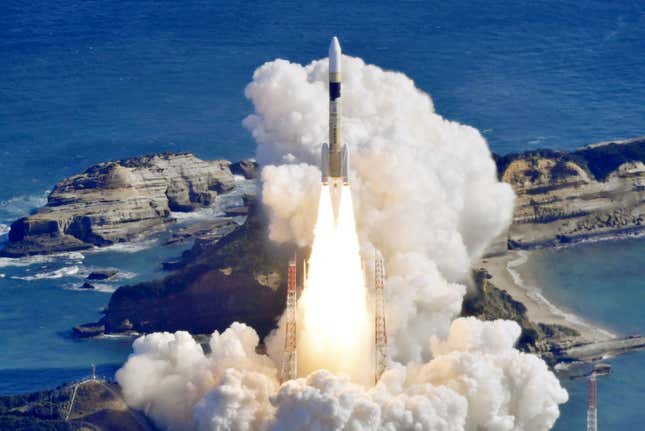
{"points": [[35, 411], [98, 405], [246, 249], [487, 302]]}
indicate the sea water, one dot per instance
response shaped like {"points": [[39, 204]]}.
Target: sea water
{"points": [[603, 282], [88, 82], [41, 299]]}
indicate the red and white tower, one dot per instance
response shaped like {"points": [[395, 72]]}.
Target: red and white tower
{"points": [[380, 330], [592, 403], [289, 359]]}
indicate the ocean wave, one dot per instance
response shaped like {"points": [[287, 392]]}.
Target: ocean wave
{"points": [[4, 229], [24, 261], [66, 271], [20, 206], [119, 336], [72, 257], [535, 293], [98, 287], [608, 237], [126, 247]]}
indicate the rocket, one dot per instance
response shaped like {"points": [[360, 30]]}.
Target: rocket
{"points": [[334, 155]]}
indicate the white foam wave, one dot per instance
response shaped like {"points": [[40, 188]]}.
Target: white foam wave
{"points": [[67, 271], [98, 287], [127, 247], [40, 259], [73, 255], [24, 261], [20, 206], [535, 293], [119, 336], [124, 275]]}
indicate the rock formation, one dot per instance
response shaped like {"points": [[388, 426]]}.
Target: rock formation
{"points": [[597, 191], [241, 277], [117, 201]]}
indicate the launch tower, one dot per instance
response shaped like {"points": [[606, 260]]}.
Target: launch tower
{"points": [[380, 332], [592, 403], [289, 359]]}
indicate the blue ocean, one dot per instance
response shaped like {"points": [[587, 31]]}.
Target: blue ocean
{"points": [[85, 82]]}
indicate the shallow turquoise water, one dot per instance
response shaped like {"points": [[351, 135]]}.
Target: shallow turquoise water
{"points": [[604, 283]]}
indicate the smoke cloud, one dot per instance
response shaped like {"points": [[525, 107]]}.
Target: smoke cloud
{"points": [[427, 197]]}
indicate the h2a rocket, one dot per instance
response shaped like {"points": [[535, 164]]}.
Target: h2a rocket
{"points": [[335, 155]]}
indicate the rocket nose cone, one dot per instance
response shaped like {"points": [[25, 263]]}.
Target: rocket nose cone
{"points": [[334, 55]]}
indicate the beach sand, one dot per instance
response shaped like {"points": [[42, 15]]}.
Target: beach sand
{"points": [[506, 276]]}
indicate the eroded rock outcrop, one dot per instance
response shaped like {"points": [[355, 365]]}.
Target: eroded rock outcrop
{"points": [[597, 191], [241, 277], [117, 201]]}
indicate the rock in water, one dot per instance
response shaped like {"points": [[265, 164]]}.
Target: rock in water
{"points": [[247, 168], [102, 274], [88, 330], [118, 201]]}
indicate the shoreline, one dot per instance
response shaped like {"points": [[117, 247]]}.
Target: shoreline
{"points": [[507, 276], [593, 343]]}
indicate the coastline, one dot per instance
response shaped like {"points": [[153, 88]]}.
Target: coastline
{"points": [[593, 342], [506, 275]]}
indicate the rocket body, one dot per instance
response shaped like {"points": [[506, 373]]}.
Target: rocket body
{"points": [[334, 155]]}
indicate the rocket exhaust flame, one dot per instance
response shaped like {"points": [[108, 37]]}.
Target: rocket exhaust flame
{"points": [[333, 309], [334, 333]]}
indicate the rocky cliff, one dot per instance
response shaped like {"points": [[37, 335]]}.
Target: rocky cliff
{"points": [[117, 201], [486, 301], [564, 197], [241, 277]]}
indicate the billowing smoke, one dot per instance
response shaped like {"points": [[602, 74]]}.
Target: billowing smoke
{"points": [[426, 190], [476, 381], [427, 197]]}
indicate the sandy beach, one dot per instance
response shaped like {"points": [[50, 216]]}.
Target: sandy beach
{"points": [[505, 270]]}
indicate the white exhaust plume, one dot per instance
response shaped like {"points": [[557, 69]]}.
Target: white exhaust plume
{"points": [[333, 319], [426, 195]]}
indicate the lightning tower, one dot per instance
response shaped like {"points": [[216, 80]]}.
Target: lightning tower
{"points": [[289, 359], [592, 403], [380, 332]]}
